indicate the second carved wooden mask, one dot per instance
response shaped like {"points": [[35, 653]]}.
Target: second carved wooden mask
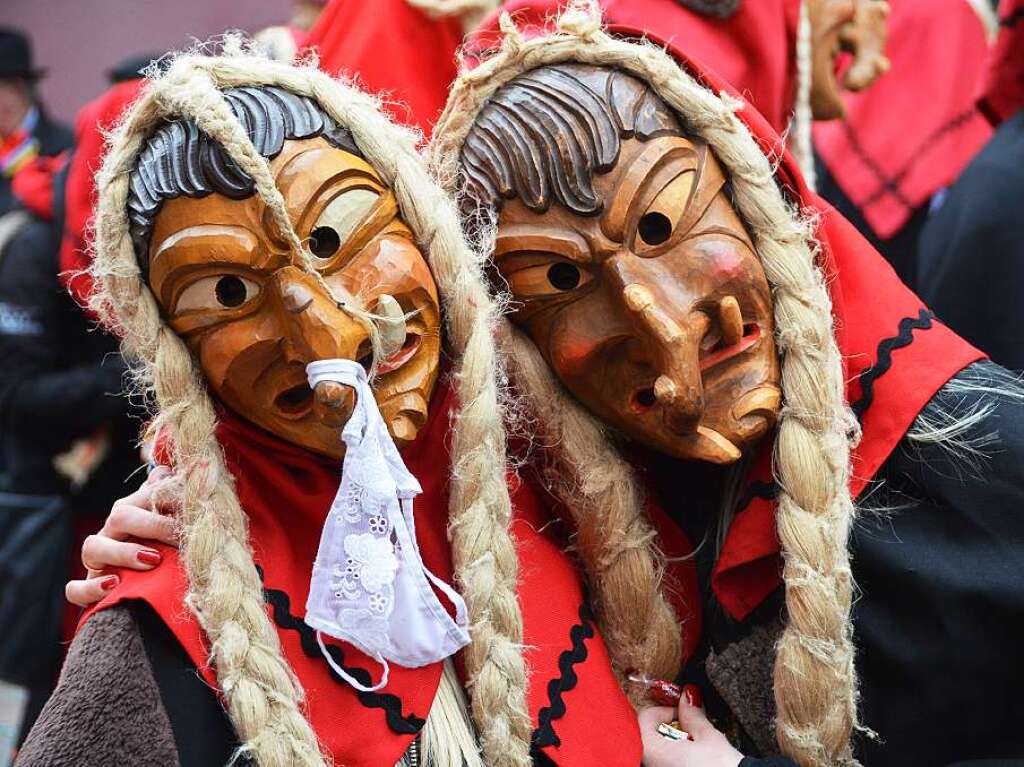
{"points": [[626, 261]]}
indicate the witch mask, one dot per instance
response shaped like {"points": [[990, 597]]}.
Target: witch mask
{"points": [[247, 304], [626, 261]]}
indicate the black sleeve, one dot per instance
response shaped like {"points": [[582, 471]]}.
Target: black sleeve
{"points": [[769, 761], [51, 389], [202, 732], [937, 558]]}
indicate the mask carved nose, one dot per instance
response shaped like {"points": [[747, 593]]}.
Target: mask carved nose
{"points": [[295, 297], [678, 390]]}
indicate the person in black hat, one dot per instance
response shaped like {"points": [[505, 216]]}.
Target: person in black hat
{"points": [[25, 129]]}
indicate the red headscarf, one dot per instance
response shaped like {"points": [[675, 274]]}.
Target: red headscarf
{"points": [[917, 127], [1003, 91], [93, 120], [392, 49], [896, 356], [752, 50], [286, 492]]}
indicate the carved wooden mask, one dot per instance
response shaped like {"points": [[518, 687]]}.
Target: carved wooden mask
{"points": [[652, 307], [230, 285]]}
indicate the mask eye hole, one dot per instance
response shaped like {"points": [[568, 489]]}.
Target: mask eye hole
{"points": [[563, 276], [654, 228], [324, 242], [230, 291]]}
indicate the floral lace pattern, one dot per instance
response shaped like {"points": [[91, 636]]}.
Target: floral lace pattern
{"points": [[369, 585]]}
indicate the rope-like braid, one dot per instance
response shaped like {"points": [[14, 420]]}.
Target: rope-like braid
{"points": [[263, 697], [614, 538], [801, 140], [815, 683], [486, 564], [269, 720]]}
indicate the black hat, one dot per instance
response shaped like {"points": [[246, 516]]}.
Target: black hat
{"points": [[132, 67], [16, 55]]}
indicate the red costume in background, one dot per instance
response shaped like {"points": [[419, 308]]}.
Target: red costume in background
{"points": [[391, 49], [1003, 88], [916, 128], [96, 117]]}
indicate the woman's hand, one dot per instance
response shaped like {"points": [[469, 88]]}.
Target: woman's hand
{"points": [[708, 747], [131, 517]]}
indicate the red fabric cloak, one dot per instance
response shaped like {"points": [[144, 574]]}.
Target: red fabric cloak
{"points": [[916, 127]]}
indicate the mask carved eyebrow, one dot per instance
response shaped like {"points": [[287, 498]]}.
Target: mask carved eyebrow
{"points": [[179, 160], [644, 172]]}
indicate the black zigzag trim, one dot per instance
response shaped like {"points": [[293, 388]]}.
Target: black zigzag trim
{"points": [[767, 491], [883, 359], [391, 704], [545, 734], [1013, 19]]}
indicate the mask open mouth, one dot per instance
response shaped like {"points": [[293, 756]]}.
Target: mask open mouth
{"points": [[714, 351], [410, 346], [294, 402]]}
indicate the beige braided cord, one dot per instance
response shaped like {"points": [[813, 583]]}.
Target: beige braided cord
{"points": [[263, 697], [815, 682], [614, 538]]}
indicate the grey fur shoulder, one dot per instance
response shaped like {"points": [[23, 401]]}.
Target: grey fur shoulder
{"points": [[107, 708]]}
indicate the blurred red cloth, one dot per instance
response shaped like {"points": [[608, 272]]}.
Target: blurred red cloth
{"points": [[915, 129], [753, 50], [33, 184], [97, 116], [1003, 89], [392, 49]]}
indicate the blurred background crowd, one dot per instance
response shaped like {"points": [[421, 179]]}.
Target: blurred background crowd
{"points": [[927, 162]]}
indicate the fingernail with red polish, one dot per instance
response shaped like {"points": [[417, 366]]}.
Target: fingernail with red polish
{"points": [[149, 557], [109, 582], [691, 693]]}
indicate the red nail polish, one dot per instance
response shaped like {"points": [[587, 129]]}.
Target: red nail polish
{"points": [[109, 582], [149, 557], [692, 695], [663, 693]]}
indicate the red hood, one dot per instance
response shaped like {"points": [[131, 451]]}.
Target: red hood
{"points": [[753, 49], [1003, 88], [895, 354]]}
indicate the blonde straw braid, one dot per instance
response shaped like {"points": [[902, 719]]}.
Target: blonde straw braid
{"points": [[262, 695], [815, 681], [480, 508], [614, 538], [269, 719]]}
